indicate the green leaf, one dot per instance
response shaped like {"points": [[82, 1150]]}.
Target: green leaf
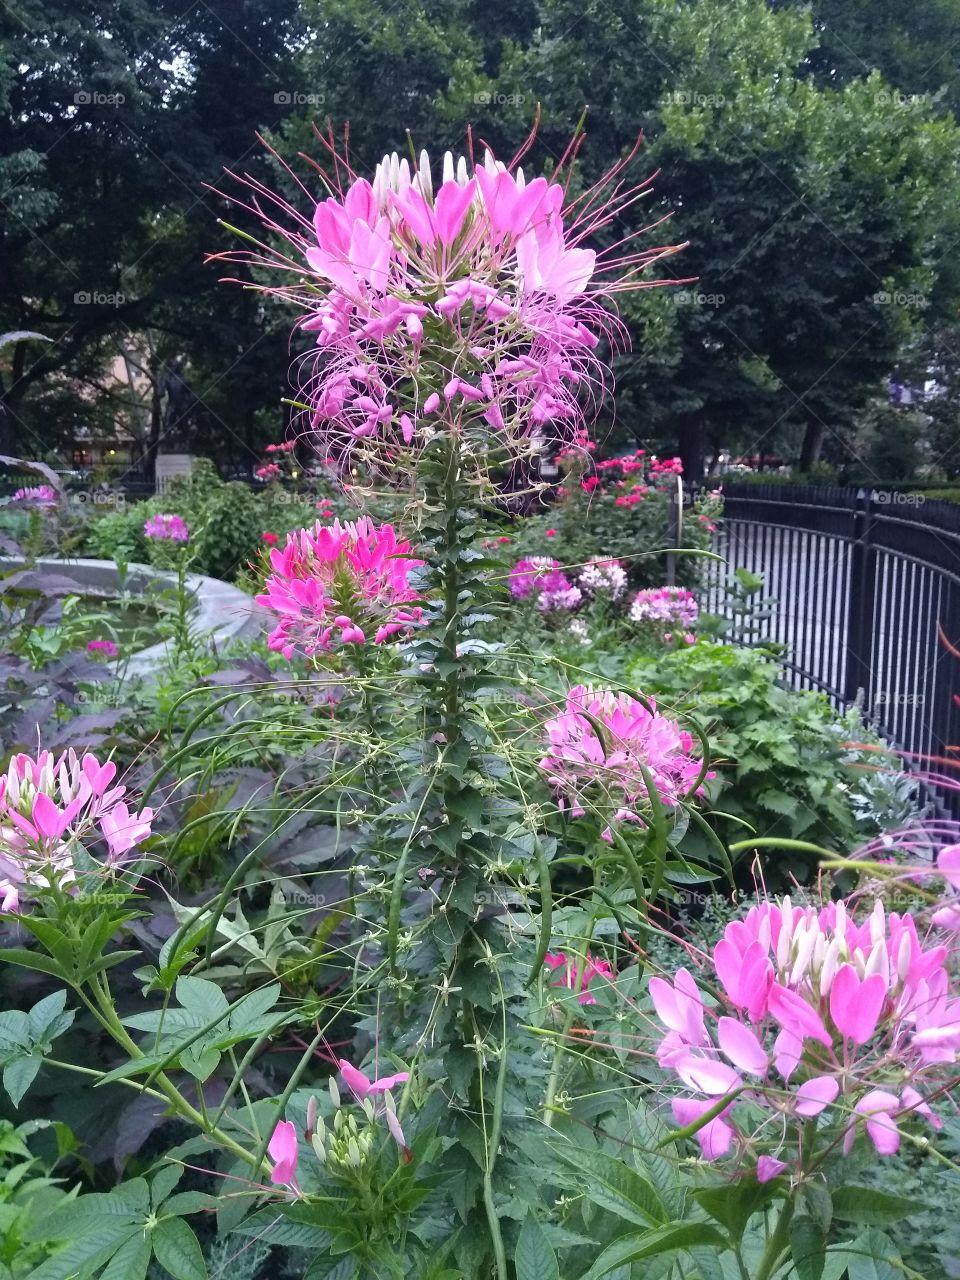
{"points": [[819, 1204], [200, 1061], [666, 1239], [203, 999], [291, 1226], [733, 1205], [864, 1204], [616, 1187], [177, 1249], [328, 1268], [131, 1260], [20, 1074], [32, 960], [807, 1248], [535, 1258], [82, 1255], [46, 1012], [871, 1257], [163, 1182]]}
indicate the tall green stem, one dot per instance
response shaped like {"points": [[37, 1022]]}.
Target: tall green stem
{"points": [[776, 1243]]}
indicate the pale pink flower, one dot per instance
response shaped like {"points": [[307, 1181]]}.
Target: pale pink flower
{"points": [[823, 1016], [362, 1086], [586, 766], [673, 606], [334, 584], [283, 1151], [48, 807], [492, 264]]}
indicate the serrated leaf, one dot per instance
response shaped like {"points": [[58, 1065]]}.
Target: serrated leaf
{"points": [[650, 1244], [131, 1260], [163, 1182], [177, 1250], [20, 1074], [535, 1258], [616, 1187]]}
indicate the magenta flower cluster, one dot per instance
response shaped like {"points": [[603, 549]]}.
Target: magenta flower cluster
{"points": [[106, 647], [166, 527], [602, 743], [39, 497], [475, 303], [48, 805], [332, 584], [820, 1016], [542, 578]]}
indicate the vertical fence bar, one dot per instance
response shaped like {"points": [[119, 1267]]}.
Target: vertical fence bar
{"points": [[862, 590]]}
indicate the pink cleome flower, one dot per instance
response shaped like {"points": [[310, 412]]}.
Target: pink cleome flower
{"points": [[542, 578], [106, 647], [48, 805], [166, 527], [820, 1011], [332, 583], [672, 605], [602, 577], [585, 766], [569, 974], [39, 497], [488, 266]]}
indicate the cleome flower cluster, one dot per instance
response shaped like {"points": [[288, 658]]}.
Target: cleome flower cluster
{"points": [[821, 1016], [671, 606], [606, 750], [166, 527], [39, 497], [332, 584], [543, 579], [51, 805], [473, 302]]}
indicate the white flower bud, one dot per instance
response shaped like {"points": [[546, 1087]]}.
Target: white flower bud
{"points": [[904, 953], [354, 1158], [805, 941], [334, 1093], [878, 923], [319, 1150], [425, 177], [831, 962], [448, 166], [462, 177], [879, 962]]}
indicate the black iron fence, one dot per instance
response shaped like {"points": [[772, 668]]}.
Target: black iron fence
{"points": [[867, 585]]}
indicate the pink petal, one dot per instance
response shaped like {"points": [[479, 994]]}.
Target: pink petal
{"points": [[854, 1005], [948, 864], [47, 818], [388, 1082], [282, 1149], [355, 1080], [742, 1047], [768, 1168], [715, 1138], [788, 1050], [707, 1075], [813, 1095], [795, 1015]]}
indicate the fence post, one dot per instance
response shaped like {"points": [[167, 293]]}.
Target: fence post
{"points": [[674, 516], [861, 598]]}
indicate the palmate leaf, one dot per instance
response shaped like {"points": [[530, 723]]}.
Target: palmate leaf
{"points": [[25, 1038], [203, 1025]]}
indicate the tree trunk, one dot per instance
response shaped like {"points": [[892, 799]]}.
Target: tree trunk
{"points": [[690, 435], [812, 444]]}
